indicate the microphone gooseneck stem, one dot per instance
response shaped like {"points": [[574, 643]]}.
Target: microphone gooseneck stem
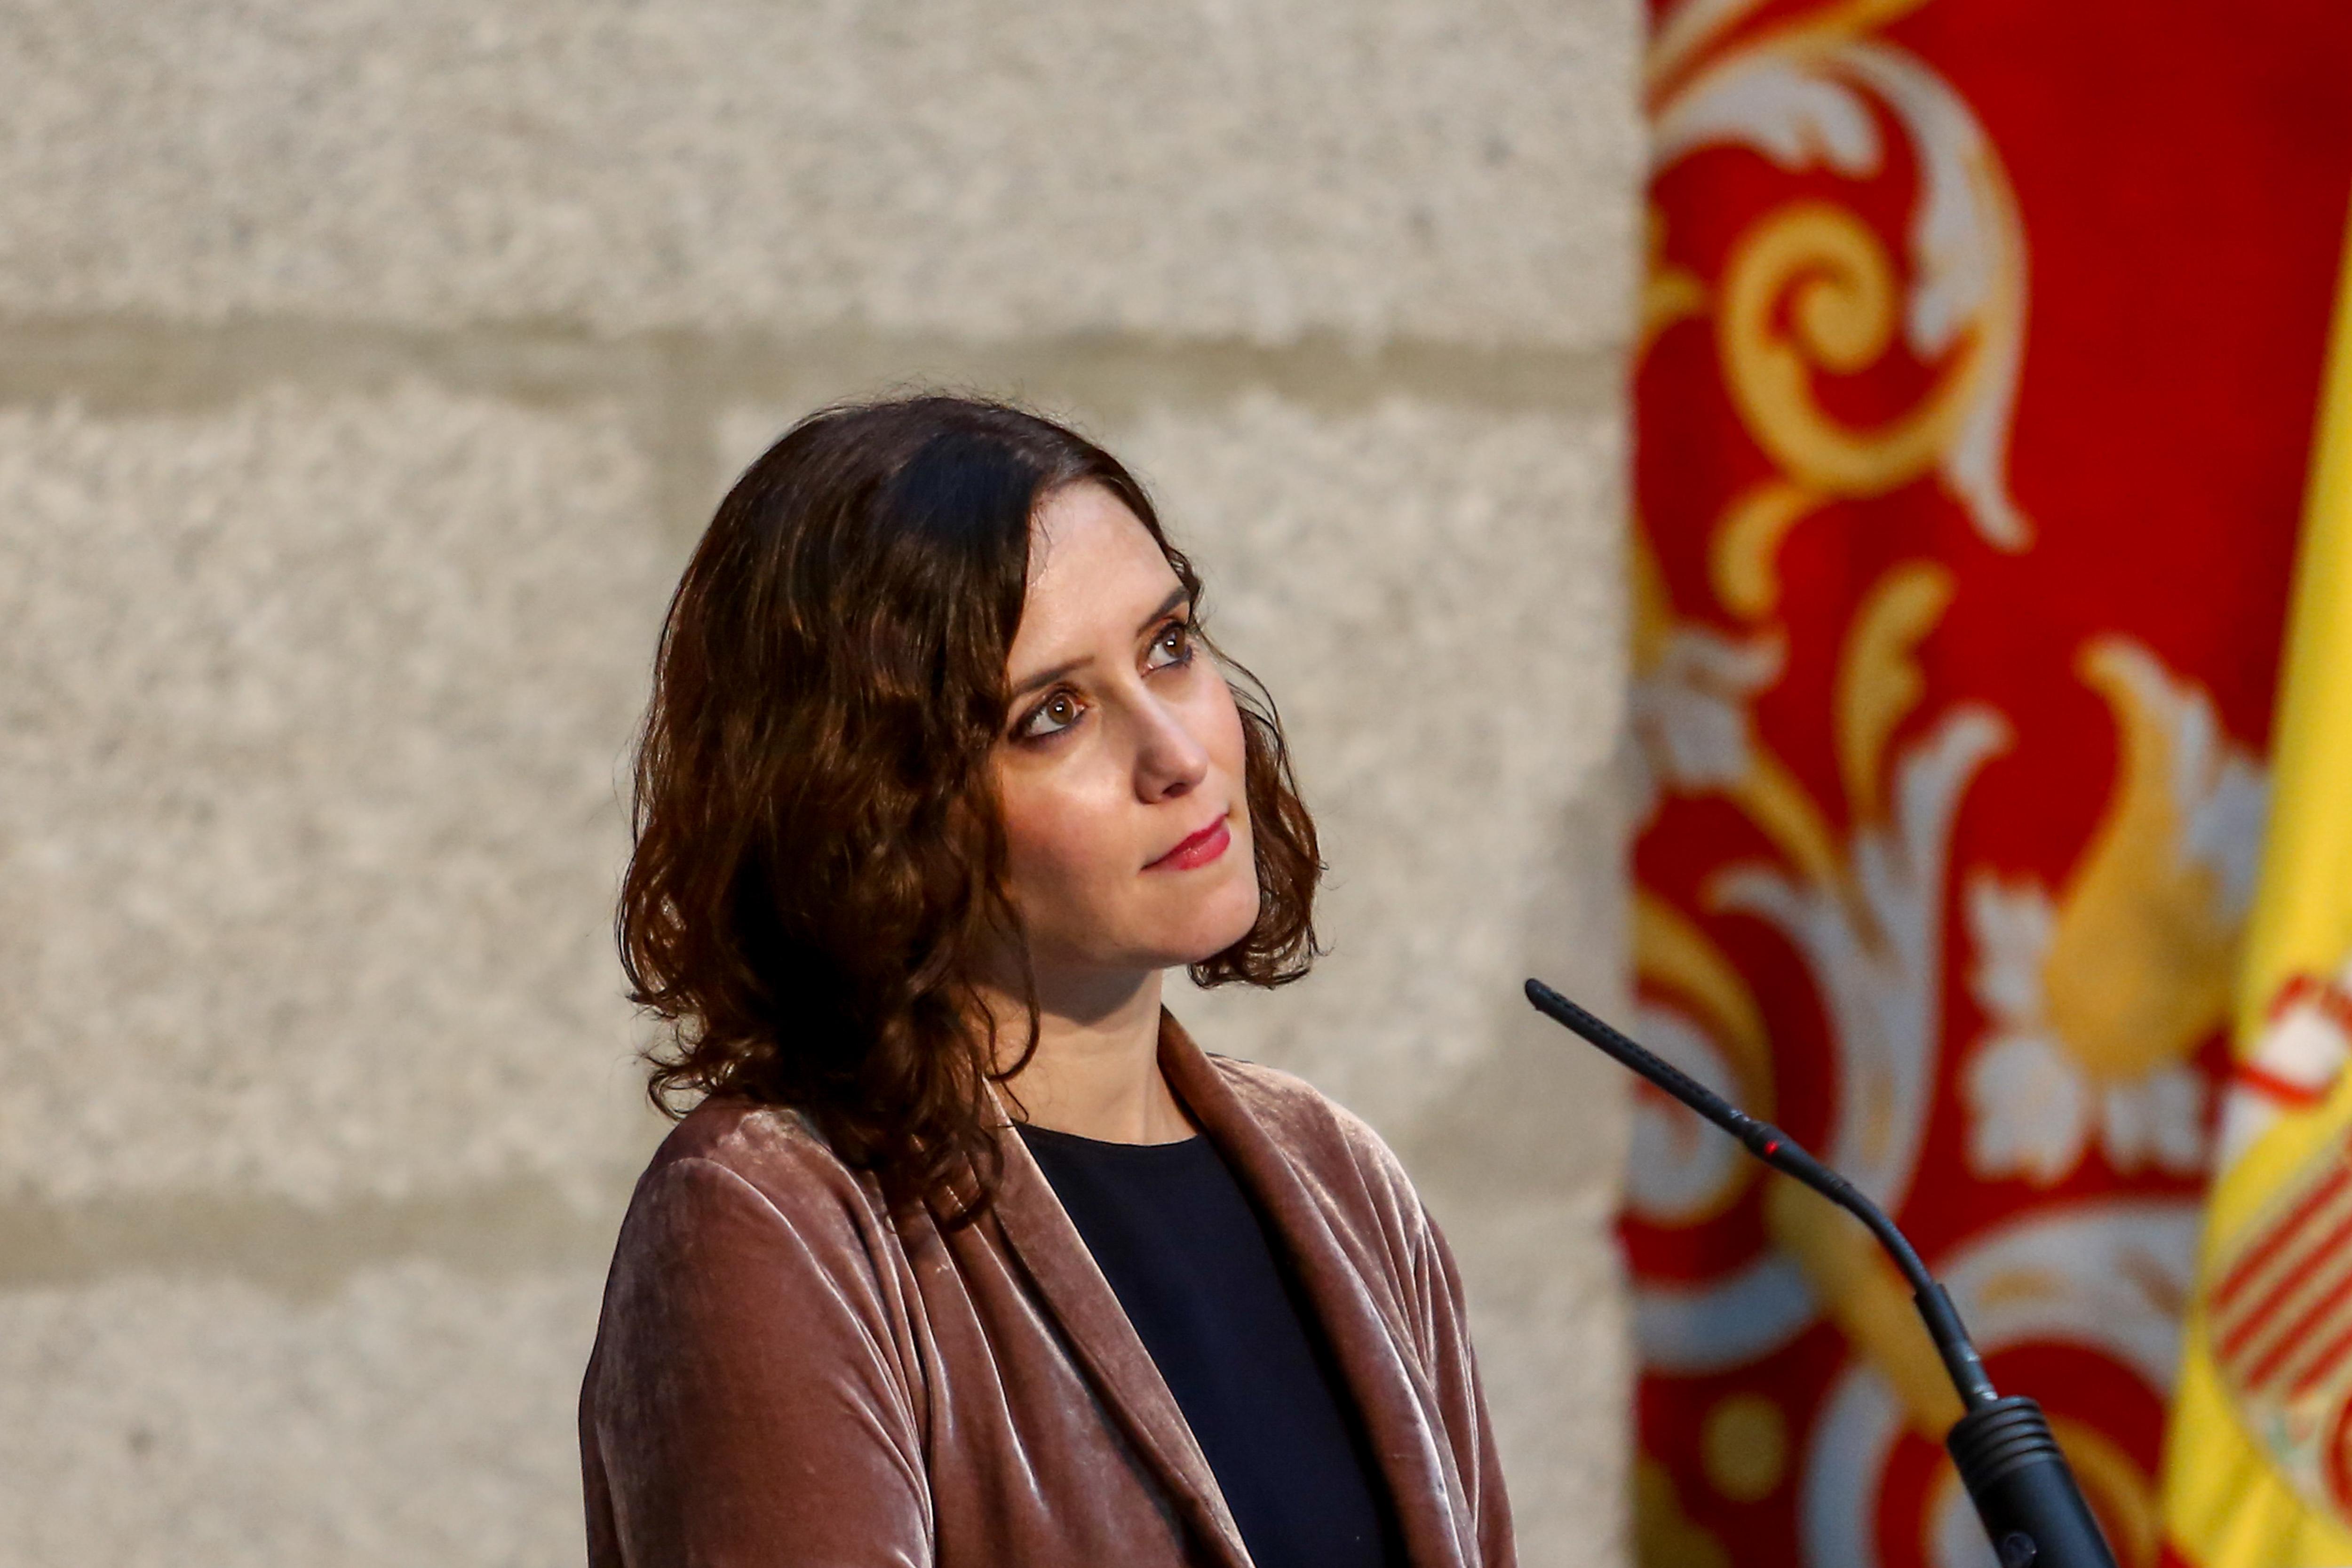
{"points": [[2033, 1513], [1784, 1153]]}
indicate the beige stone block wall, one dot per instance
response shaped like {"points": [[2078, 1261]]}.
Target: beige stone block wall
{"points": [[1375, 168], [400, 1415], [366, 372], [307, 798]]}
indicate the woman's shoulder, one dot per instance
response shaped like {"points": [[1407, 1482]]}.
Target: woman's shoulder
{"points": [[744, 1217], [1319, 1132], [731, 1143]]}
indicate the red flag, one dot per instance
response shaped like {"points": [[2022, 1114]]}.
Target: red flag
{"points": [[1981, 344]]}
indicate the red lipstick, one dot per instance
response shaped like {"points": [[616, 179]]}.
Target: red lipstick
{"points": [[1198, 850]]}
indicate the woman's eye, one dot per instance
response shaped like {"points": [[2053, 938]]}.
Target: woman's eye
{"points": [[1173, 645], [1051, 716]]}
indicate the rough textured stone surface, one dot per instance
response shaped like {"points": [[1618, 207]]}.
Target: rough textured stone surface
{"points": [[1546, 1313], [1458, 172], [416, 1416], [309, 727]]}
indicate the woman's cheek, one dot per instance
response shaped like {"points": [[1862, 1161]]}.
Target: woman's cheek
{"points": [[1224, 741], [1053, 856]]}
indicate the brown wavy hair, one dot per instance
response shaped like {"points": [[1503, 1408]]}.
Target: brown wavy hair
{"points": [[819, 855]]}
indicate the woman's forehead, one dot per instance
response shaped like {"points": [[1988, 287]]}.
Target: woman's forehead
{"points": [[1085, 541], [1094, 569]]}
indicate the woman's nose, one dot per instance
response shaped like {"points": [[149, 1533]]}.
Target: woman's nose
{"points": [[1169, 760]]}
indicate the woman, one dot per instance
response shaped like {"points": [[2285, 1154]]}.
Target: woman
{"points": [[967, 1255]]}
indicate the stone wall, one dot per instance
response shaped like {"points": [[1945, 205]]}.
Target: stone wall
{"points": [[366, 370]]}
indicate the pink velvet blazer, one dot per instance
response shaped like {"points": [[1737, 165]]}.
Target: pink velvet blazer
{"points": [[784, 1376]]}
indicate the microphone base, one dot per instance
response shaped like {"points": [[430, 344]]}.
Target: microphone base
{"points": [[2033, 1512]]}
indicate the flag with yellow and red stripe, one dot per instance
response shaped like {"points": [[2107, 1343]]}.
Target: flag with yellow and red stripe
{"points": [[2258, 1470]]}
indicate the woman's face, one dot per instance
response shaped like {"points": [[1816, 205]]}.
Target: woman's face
{"points": [[1121, 764]]}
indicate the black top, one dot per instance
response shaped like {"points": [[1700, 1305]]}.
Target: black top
{"points": [[1200, 1277]]}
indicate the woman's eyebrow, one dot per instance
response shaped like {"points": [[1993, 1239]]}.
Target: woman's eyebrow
{"points": [[1166, 604], [1049, 676]]}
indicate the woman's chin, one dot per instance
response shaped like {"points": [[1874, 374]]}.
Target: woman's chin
{"points": [[1169, 934], [1218, 931]]}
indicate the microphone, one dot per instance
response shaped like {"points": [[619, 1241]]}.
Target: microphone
{"points": [[2033, 1511]]}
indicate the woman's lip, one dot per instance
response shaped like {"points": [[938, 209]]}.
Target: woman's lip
{"points": [[1198, 850]]}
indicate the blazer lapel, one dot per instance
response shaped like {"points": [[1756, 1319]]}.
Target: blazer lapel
{"points": [[1372, 1347], [1040, 1234]]}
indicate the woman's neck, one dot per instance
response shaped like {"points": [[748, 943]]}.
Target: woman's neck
{"points": [[1096, 1071]]}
